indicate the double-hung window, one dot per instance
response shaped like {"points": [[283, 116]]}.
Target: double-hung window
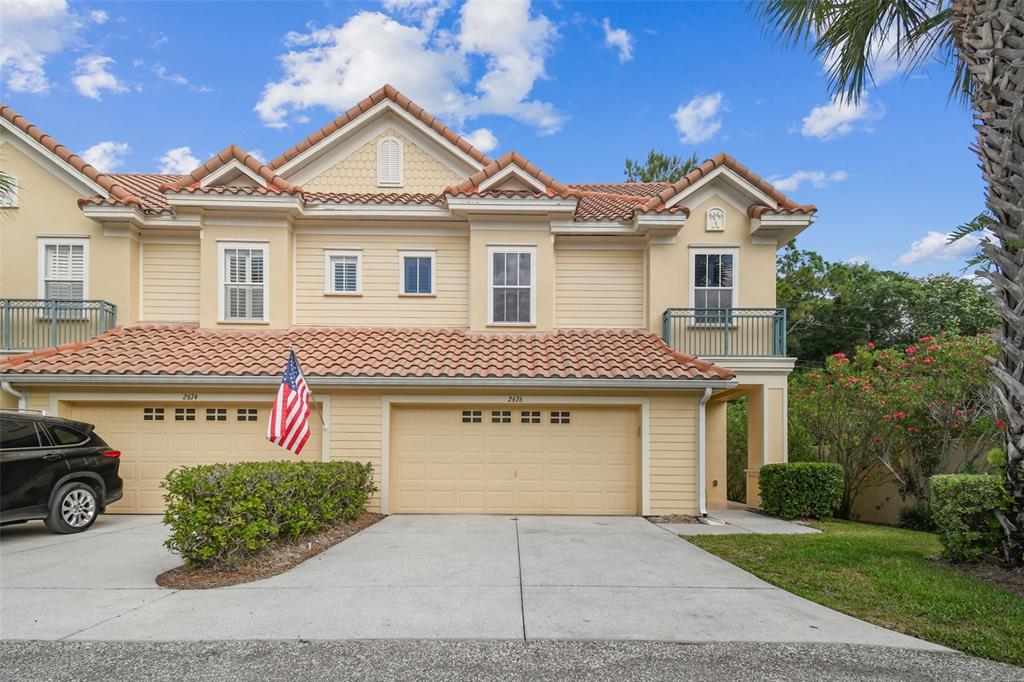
{"points": [[512, 279], [63, 264], [713, 292], [343, 274], [417, 273], [243, 282]]}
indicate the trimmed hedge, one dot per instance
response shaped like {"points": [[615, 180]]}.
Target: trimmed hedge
{"points": [[221, 514], [963, 507], [796, 490]]}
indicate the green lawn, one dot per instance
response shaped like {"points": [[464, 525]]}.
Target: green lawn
{"points": [[881, 575]]}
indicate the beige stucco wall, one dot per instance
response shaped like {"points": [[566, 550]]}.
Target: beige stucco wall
{"points": [[716, 457], [170, 281], [357, 172], [484, 235], [669, 264], [381, 302], [48, 207], [599, 287]]}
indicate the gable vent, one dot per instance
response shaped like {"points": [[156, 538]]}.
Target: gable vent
{"points": [[389, 162]]}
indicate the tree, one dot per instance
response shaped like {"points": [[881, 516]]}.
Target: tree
{"points": [[984, 42], [8, 186], [659, 167]]}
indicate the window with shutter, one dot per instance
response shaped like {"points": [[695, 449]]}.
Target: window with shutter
{"points": [[63, 268], [389, 162], [343, 272], [714, 285], [243, 283]]}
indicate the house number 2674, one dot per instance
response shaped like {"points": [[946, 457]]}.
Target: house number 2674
{"points": [[190, 396]]}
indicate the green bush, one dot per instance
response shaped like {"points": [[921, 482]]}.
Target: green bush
{"points": [[963, 509], [221, 514], [796, 490], [917, 516]]}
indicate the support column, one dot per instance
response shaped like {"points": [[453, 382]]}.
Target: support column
{"points": [[715, 471], [755, 442]]}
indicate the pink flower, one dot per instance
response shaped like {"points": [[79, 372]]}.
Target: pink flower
{"points": [[926, 339], [929, 360], [911, 350], [871, 346]]}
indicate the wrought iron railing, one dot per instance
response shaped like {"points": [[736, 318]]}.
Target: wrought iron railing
{"points": [[726, 332], [32, 323]]}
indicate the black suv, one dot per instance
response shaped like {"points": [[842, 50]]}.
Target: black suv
{"points": [[54, 469]]}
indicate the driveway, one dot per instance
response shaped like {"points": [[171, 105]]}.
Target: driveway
{"points": [[416, 577]]}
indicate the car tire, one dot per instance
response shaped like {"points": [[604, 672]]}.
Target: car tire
{"points": [[75, 508]]}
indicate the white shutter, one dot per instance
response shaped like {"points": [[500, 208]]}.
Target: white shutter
{"points": [[389, 162], [64, 274]]}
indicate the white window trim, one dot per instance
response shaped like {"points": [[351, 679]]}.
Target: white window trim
{"points": [[432, 255], [329, 271], [715, 251], [383, 182], [255, 246], [10, 200], [532, 250], [41, 270]]}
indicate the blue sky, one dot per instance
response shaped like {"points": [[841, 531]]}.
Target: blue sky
{"points": [[574, 86]]}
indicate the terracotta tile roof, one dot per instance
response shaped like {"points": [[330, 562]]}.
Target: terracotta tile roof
{"points": [[145, 186], [372, 198], [231, 153], [368, 352], [386, 92], [632, 189], [723, 159], [117, 190], [471, 185]]}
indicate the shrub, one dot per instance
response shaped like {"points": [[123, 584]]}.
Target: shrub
{"points": [[221, 514], [963, 509], [801, 489], [917, 516]]}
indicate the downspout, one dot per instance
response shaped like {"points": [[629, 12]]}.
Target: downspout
{"points": [[702, 448], [8, 389]]}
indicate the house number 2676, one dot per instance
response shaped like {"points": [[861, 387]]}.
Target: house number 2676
{"points": [[515, 399]]}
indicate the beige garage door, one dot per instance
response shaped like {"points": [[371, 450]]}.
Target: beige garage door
{"points": [[527, 460], [157, 437]]}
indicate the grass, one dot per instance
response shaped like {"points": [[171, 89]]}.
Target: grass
{"points": [[882, 575]]}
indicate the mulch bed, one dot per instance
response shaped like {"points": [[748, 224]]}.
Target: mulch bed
{"points": [[672, 518], [1009, 579], [278, 558]]}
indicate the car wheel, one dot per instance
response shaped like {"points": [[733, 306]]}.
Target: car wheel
{"points": [[74, 509]]}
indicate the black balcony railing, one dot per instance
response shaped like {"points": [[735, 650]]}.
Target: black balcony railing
{"points": [[32, 323], [726, 332]]}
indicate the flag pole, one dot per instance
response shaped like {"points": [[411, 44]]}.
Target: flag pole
{"points": [[311, 396]]}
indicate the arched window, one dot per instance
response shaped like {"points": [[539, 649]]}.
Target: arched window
{"points": [[389, 162]]}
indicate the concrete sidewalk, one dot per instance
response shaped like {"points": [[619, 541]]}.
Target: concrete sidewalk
{"points": [[736, 519], [416, 577]]}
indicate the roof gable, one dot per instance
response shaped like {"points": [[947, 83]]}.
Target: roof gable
{"points": [[229, 163]]}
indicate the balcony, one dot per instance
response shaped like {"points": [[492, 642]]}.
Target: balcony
{"points": [[726, 332], [32, 323]]}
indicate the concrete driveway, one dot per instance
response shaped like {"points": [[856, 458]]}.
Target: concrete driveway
{"points": [[415, 577]]}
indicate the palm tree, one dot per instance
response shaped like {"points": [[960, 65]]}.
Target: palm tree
{"points": [[659, 167], [7, 186], [983, 42]]}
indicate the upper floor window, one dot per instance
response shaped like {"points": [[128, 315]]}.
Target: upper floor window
{"points": [[713, 280], [343, 272], [512, 280], [63, 269], [243, 282], [389, 162], [417, 272]]}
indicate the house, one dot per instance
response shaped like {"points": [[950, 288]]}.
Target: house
{"points": [[492, 339]]}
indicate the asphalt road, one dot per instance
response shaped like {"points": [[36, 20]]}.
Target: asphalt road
{"points": [[439, 661]]}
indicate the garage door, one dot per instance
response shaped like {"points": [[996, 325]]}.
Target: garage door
{"points": [[157, 437], [528, 460]]}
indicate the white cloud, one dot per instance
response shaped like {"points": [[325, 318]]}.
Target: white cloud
{"points": [[619, 39], [107, 156], [258, 155], [336, 66], [483, 139], [936, 246], [818, 179], [697, 120], [98, 16], [161, 72], [425, 12], [92, 76], [839, 117], [178, 161], [30, 32]]}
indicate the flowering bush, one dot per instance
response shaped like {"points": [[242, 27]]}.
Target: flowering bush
{"points": [[900, 412]]}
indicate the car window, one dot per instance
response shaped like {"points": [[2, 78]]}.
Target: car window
{"points": [[62, 435], [17, 434]]}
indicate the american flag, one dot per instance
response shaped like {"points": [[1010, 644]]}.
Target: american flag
{"points": [[289, 420]]}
